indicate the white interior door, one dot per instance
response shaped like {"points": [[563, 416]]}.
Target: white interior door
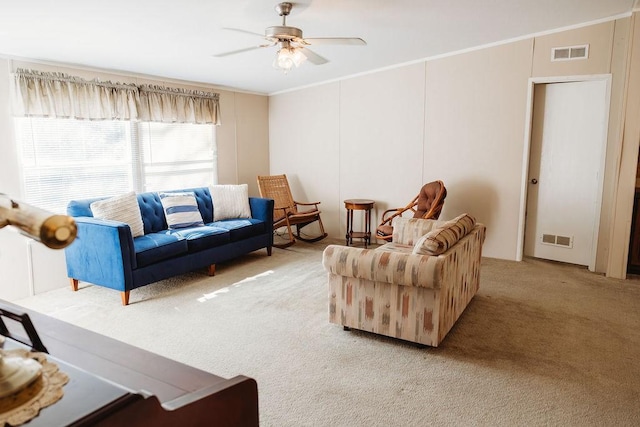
{"points": [[568, 136]]}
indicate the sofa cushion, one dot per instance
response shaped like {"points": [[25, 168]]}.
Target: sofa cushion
{"points": [[446, 235], [123, 208], [230, 201], [181, 210], [205, 237], [155, 247], [240, 229]]}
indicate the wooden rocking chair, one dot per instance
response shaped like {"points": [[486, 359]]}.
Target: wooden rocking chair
{"points": [[426, 205], [285, 210]]}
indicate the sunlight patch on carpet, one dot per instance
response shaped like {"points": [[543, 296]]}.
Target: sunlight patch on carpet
{"points": [[214, 294]]}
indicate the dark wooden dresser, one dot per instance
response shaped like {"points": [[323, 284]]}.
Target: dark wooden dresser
{"points": [[115, 384]]}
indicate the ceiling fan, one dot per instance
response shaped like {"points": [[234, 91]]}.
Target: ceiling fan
{"points": [[293, 48]]}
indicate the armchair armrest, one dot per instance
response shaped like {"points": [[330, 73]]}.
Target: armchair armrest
{"points": [[384, 266], [387, 212], [306, 203], [314, 204], [411, 207], [387, 219], [102, 253]]}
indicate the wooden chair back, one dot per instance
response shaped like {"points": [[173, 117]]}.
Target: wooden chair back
{"points": [[276, 187]]}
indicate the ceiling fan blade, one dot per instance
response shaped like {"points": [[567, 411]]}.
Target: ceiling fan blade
{"points": [[335, 40], [313, 57], [244, 31], [246, 49]]}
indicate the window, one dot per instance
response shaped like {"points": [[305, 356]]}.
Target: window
{"points": [[65, 159], [177, 155]]}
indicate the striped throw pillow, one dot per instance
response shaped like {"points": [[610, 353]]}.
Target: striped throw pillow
{"points": [[181, 210], [123, 208], [442, 238]]}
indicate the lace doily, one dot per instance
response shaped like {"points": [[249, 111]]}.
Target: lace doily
{"points": [[25, 405]]}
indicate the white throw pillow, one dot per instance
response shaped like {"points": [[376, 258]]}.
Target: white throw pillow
{"points": [[122, 208], [181, 210], [230, 201]]}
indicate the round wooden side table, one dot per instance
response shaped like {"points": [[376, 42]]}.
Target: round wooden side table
{"points": [[359, 205]]}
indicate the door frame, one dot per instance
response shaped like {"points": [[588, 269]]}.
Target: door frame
{"points": [[527, 151]]}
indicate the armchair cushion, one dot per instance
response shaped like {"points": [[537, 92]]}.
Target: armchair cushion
{"points": [[445, 235], [123, 208]]}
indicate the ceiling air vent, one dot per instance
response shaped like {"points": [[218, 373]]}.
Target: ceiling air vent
{"points": [[569, 53], [552, 239]]}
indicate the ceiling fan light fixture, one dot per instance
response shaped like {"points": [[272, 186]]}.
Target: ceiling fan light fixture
{"points": [[284, 60], [287, 57]]}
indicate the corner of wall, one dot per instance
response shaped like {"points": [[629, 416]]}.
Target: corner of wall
{"points": [[628, 160]]}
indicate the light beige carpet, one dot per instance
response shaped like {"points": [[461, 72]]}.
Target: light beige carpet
{"points": [[541, 344]]}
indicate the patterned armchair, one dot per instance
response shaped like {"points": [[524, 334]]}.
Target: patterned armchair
{"points": [[415, 288]]}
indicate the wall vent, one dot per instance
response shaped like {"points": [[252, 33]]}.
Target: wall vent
{"points": [[570, 53], [552, 239]]}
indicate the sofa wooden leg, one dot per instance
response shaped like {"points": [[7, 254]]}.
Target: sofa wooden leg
{"points": [[346, 328], [125, 297], [212, 270], [269, 250], [74, 284]]}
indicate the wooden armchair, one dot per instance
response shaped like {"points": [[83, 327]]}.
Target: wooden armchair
{"points": [[426, 205], [285, 210]]}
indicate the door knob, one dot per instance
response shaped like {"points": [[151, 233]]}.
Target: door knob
{"points": [[534, 181]]}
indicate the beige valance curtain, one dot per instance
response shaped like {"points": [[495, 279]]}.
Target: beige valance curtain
{"points": [[159, 104], [61, 96], [44, 94]]}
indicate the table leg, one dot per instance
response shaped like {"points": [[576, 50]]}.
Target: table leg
{"points": [[349, 225], [367, 221]]}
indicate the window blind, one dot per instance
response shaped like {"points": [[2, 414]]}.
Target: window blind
{"points": [[66, 159]]}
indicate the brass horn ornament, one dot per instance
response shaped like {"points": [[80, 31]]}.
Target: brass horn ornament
{"points": [[54, 231]]}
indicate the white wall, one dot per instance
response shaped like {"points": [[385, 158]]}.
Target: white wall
{"points": [[340, 141], [474, 137], [28, 267], [381, 138], [305, 145], [383, 135], [460, 119]]}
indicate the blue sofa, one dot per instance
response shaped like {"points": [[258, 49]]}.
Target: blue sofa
{"points": [[106, 254]]}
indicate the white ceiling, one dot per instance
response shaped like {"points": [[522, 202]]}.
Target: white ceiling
{"points": [[177, 38]]}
